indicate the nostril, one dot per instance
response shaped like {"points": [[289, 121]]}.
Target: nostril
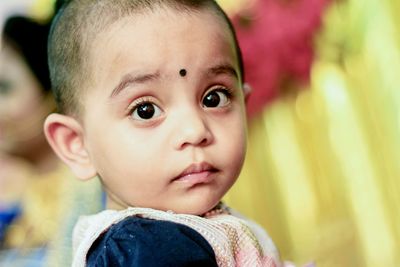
{"points": [[196, 142], [204, 141]]}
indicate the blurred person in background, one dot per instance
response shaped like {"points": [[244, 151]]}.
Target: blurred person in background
{"points": [[39, 201]]}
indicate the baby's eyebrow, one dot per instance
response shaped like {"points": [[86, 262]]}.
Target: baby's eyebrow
{"points": [[223, 69], [130, 79]]}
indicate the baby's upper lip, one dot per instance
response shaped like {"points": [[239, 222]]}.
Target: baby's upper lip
{"points": [[197, 168]]}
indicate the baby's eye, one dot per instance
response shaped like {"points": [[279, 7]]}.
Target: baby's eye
{"points": [[216, 98], [145, 111]]}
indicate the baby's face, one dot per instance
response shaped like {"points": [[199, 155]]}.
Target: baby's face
{"points": [[164, 122]]}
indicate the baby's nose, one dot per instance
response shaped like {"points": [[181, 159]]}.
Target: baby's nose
{"points": [[193, 130]]}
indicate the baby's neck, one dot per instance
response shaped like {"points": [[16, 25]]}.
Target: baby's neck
{"points": [[220, 208]]}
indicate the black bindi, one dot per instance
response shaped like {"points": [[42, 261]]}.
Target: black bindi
{"points": [[183, 72]]}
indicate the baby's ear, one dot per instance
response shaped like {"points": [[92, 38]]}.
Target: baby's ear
{"points": [[65, 136], [246, 91]]}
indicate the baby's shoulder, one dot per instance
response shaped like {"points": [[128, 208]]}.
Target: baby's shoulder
{"points": [[137, 241]]}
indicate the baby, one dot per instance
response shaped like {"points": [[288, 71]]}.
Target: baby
{"points": [[151, 100]]}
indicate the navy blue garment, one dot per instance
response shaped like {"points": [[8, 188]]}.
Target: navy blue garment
{"points": [[144, 242]]}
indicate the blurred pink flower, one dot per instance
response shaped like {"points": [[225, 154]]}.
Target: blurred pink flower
{"points": [[276, 37]]}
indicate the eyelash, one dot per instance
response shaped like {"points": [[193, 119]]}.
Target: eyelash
{"points": [[229, 92], [137, 103], [140, 101]]}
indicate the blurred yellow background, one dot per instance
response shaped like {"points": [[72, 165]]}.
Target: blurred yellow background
{"points": [[323, 167]]}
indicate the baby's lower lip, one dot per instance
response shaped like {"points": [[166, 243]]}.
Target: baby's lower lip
{"points": [[196, 178]]}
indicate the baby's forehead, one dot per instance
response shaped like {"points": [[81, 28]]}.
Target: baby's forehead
{"points": [[159, 15], [163, 34]]}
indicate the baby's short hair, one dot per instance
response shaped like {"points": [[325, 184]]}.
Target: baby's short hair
{"points": [[77, 23]]}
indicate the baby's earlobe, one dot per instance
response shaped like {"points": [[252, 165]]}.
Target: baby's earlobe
{"points": [[65, 137]]}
